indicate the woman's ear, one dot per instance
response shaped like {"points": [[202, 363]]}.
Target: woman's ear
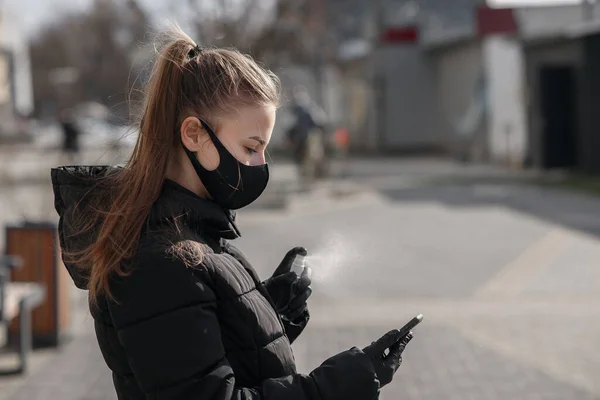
{"points": [[192, 134], [197, 140]]}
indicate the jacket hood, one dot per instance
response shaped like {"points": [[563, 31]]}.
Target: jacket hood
{"points": [[75, 186]]}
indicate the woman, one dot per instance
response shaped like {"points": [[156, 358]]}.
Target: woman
{"points": [[179, 312]]}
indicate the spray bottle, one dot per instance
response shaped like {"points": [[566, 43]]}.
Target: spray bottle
{"points": [[298, 265]]}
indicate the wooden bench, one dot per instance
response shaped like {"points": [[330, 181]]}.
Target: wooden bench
{"points": [[16, 301]]}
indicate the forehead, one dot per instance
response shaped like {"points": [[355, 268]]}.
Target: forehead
{"points": [[252, 121], [262, 115]]}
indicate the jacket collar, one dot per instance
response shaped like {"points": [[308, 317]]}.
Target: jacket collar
{"points": [[205, 216], [72, 184]]}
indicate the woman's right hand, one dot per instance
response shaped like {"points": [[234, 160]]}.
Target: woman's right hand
{"points": [[387, 363]]}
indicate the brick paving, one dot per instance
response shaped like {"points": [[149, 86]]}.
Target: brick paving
{"points": [[77, 372], [444, 364], [506, 318]]}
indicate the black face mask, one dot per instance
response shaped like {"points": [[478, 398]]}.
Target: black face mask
{"points": [[232, 184]]}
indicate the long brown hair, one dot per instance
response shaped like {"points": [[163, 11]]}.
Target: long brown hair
{"points": [[209, 83]]}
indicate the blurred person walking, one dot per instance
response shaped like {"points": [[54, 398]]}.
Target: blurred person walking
{"points": [[71, 134], [179, 312], [307, 136]]}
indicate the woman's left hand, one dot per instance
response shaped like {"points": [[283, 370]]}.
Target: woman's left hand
{"points": [[290, 292]]}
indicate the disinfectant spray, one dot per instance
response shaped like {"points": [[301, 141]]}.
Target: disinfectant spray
{"points": [[298, 265]]}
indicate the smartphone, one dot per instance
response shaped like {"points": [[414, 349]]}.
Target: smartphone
{"points": [[411, 324]]}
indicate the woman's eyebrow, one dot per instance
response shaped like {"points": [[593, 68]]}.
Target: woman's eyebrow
{"points": [[258, 139]]}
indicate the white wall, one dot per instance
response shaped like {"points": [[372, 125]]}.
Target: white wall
{"points": [[13, 38], [507, 123]]}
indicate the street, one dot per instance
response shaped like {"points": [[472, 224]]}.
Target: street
{"points": [[506, 275]]}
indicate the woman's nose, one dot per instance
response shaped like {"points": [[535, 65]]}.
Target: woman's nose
{"points": [[260, 158]]}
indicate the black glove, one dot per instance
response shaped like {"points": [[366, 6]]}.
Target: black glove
{"points": [[290, 293], [386, 365]]}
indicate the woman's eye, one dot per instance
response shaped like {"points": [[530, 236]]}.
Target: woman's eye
{"points": [[250, 150]]}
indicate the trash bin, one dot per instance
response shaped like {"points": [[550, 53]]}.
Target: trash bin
{"points": [[37, 245]]}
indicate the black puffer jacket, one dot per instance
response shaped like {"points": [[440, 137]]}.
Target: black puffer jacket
{"points": [[209, 332]]}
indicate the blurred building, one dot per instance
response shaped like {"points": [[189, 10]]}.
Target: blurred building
{"points": [[16, 94], [15, 51], [408, 111], [521, 87], [388, 83], [478, 71], [561, 47], [515, 86]]}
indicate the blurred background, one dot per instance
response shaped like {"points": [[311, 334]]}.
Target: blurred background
{"points": [[434, 156]]}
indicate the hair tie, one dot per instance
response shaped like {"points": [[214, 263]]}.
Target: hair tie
{"points": [[194, 52]]}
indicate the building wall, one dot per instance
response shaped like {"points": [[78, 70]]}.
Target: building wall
{"points": [[358, 101], [507, 120], [549, 54], [409, 116], [393, 105], [5, 94], [551, 21], [356, 104], [441, 23], [333, 95], [458, 75], [13, 39], [5, 82]]}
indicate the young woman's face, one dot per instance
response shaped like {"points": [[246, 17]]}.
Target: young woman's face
{"points": [[247, 133]]}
